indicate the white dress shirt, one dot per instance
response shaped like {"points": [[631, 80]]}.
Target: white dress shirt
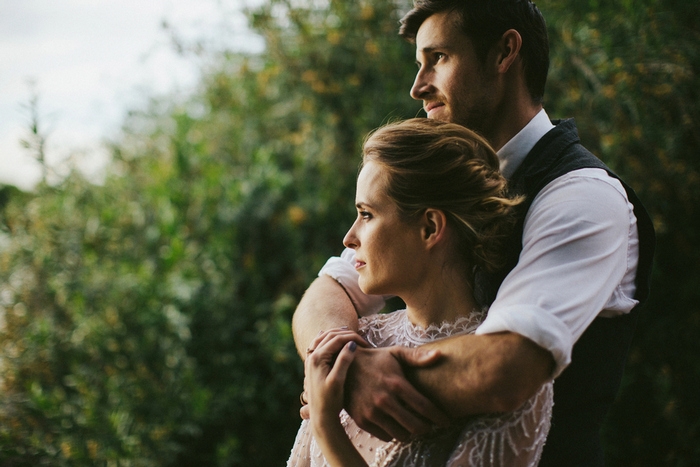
{"points": [[579, 257]]}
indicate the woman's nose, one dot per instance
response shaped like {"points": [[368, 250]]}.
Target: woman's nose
{"points": [[350, 240]]}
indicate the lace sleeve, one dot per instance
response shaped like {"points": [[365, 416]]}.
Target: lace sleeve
{"points": [[306, 452], [514, 439], [509, 440]]}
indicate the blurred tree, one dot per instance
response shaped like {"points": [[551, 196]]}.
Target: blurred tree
{"points": [[146, 320]]}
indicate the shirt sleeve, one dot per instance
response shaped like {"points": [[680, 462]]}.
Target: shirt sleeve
{"points": [[575, 256], [342, 269]]}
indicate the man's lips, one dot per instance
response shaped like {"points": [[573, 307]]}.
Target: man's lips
{"points": [[432, 106]]}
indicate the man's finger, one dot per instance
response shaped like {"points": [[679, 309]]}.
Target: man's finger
{"points": [[403, 422], [417, 403]]}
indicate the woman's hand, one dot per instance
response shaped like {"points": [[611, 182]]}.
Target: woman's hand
{"points": [[326, 367]]}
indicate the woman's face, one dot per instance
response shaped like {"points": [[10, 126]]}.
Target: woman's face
{"points": [[387, 248]]}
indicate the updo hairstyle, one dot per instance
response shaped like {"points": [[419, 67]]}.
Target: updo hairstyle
{"points": [[445, 166]]}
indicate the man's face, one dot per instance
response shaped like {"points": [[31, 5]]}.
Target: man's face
{"points": [[451, 81]]}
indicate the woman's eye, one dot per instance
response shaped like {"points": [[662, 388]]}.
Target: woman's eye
{"points": [[365, 215]]}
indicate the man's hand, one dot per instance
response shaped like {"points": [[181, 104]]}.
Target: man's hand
{"points": [[380, 399]]}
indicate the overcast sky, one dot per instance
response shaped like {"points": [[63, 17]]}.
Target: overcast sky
{"points": [[91, 60]]}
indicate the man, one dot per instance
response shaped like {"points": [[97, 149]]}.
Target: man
{"points": [[579, 265]]}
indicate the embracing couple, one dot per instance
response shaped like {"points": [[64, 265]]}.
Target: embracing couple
{"points": [[522, 269]]}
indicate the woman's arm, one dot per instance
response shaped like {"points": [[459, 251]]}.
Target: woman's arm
{"points": [[326, 369], [335, 444]]}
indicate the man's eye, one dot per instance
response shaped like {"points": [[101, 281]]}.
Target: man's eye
{"points": [[439, 56]]}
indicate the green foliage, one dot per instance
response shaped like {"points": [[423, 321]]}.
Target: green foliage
{"points": [[146, 320]]}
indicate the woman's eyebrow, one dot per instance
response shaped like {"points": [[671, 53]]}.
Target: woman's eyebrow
{"points": [[363, 204]]}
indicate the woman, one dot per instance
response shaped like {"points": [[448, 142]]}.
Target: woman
{"points": [[432, 210]]}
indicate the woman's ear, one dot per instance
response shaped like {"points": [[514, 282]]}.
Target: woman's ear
{"points": [[434, 227]]}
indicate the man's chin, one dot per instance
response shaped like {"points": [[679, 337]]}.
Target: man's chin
{"points": [[440, 114]]}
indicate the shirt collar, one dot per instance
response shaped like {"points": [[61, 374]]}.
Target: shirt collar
{"points": [[512, 154]]}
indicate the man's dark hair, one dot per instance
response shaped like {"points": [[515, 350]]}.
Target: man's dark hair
{"points": [[484, 22]]}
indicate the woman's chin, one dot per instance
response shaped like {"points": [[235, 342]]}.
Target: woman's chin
{"points": [[367, 288], [372, 289]]}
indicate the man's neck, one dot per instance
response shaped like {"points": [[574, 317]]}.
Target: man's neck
{"points": [[514, 152], [513, 120]]}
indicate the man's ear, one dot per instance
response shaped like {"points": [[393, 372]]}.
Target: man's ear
{"points": [[434, 227], [508, 49]]}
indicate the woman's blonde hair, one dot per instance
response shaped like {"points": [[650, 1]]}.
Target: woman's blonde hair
{"points": [[439, 165]]}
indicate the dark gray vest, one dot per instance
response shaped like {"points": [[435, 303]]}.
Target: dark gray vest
{"points": [[586, 389]]}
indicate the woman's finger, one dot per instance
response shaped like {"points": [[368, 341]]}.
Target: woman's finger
{"points": [[327, 336], [326, 353], [342, 363], [324, 336]]}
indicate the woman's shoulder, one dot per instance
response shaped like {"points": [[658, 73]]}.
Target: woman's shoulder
{"points": [[379, 329]]}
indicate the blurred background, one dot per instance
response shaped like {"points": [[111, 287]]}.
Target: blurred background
{"points": [[148, 273]]}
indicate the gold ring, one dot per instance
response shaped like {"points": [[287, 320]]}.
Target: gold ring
{"points": [[302, 399]]}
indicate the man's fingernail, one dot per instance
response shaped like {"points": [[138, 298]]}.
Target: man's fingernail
{"points": [[352, 346], [343, 327]]}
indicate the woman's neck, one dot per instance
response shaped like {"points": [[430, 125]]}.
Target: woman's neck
{"points": [[443, 297]]}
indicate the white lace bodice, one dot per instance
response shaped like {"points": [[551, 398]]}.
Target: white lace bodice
{"points": [[499, 440]]}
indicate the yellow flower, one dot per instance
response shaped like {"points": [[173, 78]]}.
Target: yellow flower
{"points": [[296, 214]]}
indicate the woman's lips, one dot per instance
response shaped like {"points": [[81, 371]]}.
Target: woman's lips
{"points": [[359, 264]]}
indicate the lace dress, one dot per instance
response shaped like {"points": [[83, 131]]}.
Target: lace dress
{"points": [[499, 440]]}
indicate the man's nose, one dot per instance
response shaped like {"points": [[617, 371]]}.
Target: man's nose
{"points": [[421, 86]]}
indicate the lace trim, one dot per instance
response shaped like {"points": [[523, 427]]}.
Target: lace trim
{"points": [[396, 329]]}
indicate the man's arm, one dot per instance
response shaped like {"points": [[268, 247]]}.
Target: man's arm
{"points": [[325, 305], [487, 373], [475, 374]]}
